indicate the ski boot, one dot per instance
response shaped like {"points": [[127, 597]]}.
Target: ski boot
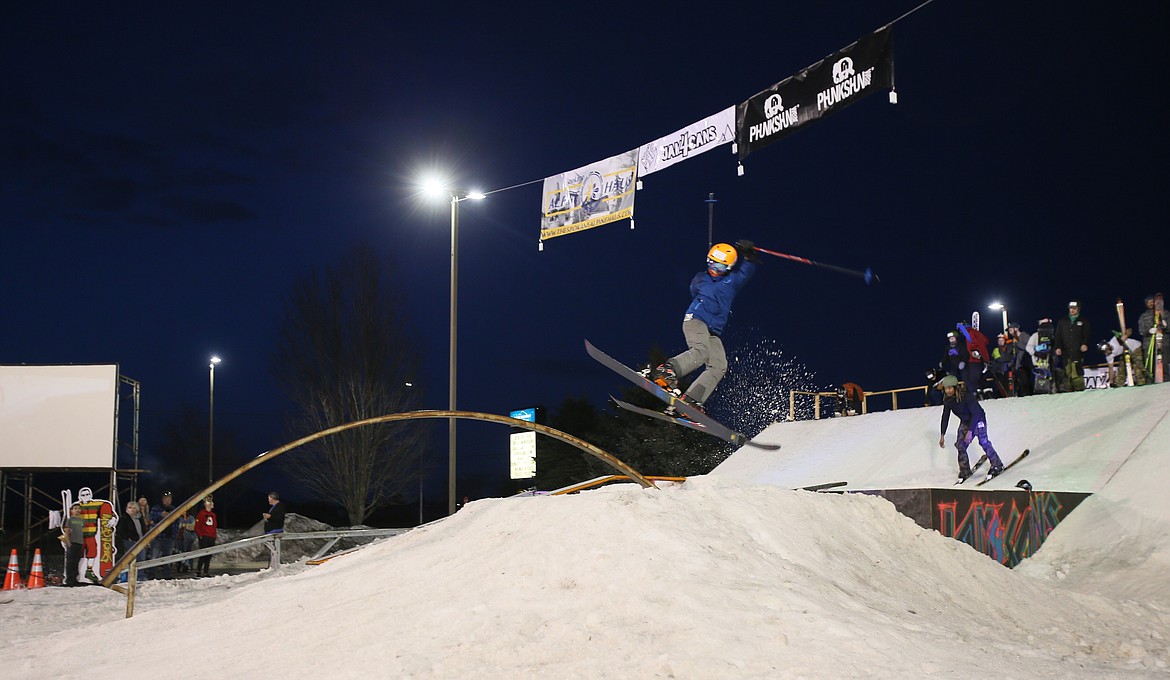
{"points": [[697, 405], [664, 376]]}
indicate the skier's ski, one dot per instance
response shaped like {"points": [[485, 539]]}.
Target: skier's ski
{"points": [[975, 319], [822, 487], [678, 420], [706, 426], [693, 415], [1007, 467], [1159, 314], [981, 461], [1124, 347]]}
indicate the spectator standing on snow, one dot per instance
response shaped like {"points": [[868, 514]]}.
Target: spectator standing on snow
{"points": [[144, 512], [131, 528], [75, 546], [274, 518], [954, 361], [978, 356], [1147, 330], [164, 544], [1072, 337], [206, 528]]}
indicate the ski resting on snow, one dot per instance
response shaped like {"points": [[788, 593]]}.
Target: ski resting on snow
{"points": [[1007, 467]]}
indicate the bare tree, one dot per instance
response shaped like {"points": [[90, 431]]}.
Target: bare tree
{"points": [[344, 355]]}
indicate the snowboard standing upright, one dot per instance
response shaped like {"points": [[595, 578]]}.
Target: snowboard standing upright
{"points": [[1043, 382]]}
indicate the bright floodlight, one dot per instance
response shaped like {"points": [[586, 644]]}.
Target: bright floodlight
{"points": [[996, 306], [434, 186], [215, 360], [476, 195]]}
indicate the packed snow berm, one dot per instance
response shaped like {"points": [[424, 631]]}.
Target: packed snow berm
{"points": [[728, 575]]}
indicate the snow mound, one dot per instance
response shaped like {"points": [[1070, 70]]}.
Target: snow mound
{"points": [[709, 579]]}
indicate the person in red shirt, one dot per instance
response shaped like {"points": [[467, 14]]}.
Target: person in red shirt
{"points": [[979, 355], [206, 524]]}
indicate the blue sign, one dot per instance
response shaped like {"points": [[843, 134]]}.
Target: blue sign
{"points": [[526, 414]]}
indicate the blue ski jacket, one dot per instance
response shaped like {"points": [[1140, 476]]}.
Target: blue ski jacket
{"points": [[968, 410], [713, 295]]}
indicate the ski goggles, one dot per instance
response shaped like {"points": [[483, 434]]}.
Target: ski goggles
{"points": [[717, 267]]}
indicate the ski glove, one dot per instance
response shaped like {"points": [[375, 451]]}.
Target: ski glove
{"points": [[746, 249]]}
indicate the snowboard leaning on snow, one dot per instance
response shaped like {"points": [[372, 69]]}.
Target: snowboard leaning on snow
{"points": [[694, 418]]}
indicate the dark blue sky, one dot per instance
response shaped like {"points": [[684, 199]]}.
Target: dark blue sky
{"points": [[167, 172]]}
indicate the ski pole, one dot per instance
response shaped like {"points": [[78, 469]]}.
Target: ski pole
{"points": [[868, 274]]}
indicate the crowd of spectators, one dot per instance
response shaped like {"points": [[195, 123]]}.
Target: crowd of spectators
{"points": [[184, 534], [1052, 357]]}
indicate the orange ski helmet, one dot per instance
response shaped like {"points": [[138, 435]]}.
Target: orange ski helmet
{"points": [[721, 258]]}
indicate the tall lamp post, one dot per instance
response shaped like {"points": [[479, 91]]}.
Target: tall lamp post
{"points": [[211, 420], [457, 197], [999, 306]]}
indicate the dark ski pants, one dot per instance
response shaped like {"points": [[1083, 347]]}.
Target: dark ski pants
{"points": [[73, 555], [967, 432], [705, 349]]}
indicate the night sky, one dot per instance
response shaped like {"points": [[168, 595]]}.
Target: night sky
{"points": [[167, 173]]}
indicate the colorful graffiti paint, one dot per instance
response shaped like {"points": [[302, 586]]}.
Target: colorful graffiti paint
{"points": [[1007, 526]]}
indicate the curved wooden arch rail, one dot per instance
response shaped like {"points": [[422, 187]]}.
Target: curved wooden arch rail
{"points": [[191, 502]]}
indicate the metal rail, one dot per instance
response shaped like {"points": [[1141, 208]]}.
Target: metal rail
{"points": [[132, 554], [270, 539]]}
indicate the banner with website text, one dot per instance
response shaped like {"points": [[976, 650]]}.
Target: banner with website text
{"points": [[694, 139], [588, 197], [827, 86]]}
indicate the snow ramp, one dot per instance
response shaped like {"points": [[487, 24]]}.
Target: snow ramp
{"points": [[1078, 442]]}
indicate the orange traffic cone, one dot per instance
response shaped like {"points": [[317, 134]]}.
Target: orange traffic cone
{"points": [[12, 577], [36, 578]]}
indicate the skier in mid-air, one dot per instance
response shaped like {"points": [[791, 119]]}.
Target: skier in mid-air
{"points": [[712, 291], [972, 423]]}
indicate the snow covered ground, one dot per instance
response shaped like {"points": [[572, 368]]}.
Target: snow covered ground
{"points": [[730, 575]]}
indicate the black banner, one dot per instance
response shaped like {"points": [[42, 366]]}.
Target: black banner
{"points": [[829, 85]]}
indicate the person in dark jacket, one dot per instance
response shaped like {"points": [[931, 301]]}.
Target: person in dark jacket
{"points": [[954, 361], [274, 518], [972, 423], [712, 292], [1072, 337], [131, 528]]}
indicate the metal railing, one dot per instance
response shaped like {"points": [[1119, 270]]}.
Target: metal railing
{"points": [[273, 543], [817, 396]]}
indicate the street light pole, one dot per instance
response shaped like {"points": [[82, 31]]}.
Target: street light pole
{"points": [[454, 353], [211, 420], [437, 187], [1000, 306]]}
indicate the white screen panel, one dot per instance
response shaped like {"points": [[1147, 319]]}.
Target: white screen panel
{"points": [[57, 416]]}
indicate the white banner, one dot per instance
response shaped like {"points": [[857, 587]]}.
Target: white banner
{"points": [[522, 454], [588, 197], [692, 140]]}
